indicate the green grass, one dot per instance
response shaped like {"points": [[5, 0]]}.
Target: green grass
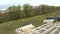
{"points": [[9, 27]]}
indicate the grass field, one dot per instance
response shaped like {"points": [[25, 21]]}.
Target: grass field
{"points": [[9, 27]]}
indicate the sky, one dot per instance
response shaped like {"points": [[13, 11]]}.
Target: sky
{"points": [[6, 3]]}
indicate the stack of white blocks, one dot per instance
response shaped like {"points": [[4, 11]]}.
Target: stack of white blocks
{"points": [[49, 28], [46, 29]]}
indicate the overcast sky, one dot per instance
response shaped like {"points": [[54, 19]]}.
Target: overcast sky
{"points": [[32, 2]]}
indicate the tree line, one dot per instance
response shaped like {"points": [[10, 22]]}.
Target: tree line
{"points": [[27, 10]]}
